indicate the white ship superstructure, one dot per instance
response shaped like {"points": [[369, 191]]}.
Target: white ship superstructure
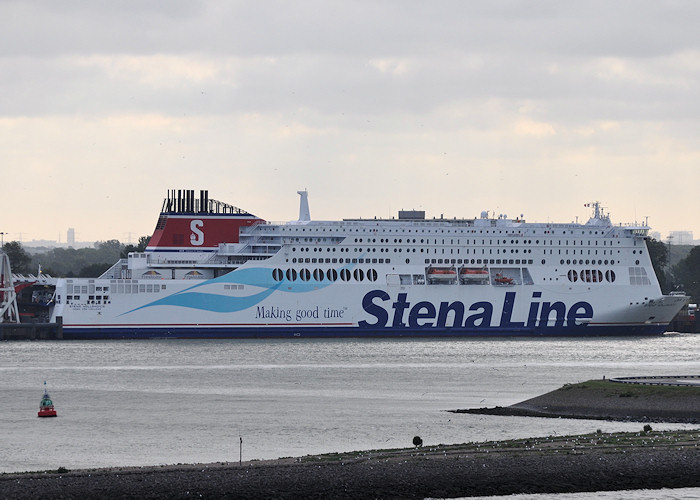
{"points": [[213, 270]]}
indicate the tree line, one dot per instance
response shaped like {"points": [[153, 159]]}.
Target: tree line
{"points": [[684, 275], [70, 262], [92, 262]]}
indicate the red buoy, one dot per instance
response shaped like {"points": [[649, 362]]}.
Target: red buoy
{"points": [[46, 408]]}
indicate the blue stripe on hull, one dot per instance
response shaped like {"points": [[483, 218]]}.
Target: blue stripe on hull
{"points": [[349, 332]]}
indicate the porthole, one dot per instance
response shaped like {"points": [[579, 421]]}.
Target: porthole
{"points": [[358, 274], [372, 274], [318, 275], [277, 274], [332, 275], [345, 275], [291, 274], [305, 275]]}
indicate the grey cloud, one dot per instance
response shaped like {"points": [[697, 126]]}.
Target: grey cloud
{"points": [[392, 28], [324, 57]]}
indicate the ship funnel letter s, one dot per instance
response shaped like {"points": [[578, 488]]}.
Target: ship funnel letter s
{"points": [[197, 236]]}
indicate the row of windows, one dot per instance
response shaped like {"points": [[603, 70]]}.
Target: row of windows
{"points": [[479, 261], [92, 299], [476, 242], [410, 241], [314, 260], [591, 276], [458, 250], [429, 231], [118, 288], [320, 274], [587, 261]]}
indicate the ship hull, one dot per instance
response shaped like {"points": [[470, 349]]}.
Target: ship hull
{"points": [[231, 332], [249, 303]]}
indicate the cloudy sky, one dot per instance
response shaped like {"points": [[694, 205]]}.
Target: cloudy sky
{"points": [[452, 107]]}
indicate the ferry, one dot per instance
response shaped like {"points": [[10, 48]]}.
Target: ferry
{"points": [[212, 270]]}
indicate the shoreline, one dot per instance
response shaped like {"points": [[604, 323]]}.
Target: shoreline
{"points": [[607, 400], [564, 464], [591, 462]]}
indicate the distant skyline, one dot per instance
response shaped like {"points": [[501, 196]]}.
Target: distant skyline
{"points": [[452, 107]]}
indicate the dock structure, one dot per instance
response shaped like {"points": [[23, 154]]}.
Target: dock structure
{"points": [[10, 326], [32, 331], [8, 297]]}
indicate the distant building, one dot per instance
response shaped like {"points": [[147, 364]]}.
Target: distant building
{"points": [[681, 237], [71, 237]]}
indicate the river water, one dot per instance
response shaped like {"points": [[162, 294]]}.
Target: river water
{"points": [[148, 402]]}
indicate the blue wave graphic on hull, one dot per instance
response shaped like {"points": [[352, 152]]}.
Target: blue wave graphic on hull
{"points": [[209, 301], [258, 277]]}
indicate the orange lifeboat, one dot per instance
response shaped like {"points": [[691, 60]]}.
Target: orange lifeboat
{"points": [[46, 408], [471, 274], [503, 280], [441, 273]]}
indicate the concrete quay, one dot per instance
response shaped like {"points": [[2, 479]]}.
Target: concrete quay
{"points": [[31, 331]]}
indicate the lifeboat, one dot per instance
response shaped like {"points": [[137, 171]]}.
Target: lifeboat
{"points": [[473, 274], [503, 280], [442, 273], [46, 408]]}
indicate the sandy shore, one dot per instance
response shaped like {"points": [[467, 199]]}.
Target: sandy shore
{"points": [[584, 463]]}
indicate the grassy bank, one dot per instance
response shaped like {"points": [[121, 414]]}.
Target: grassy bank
{"points": [[606, 388], [602, 399]]}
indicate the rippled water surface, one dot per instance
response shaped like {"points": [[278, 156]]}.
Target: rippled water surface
{"points": [[162, 402]]}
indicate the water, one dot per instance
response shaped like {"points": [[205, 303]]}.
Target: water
{"points": [[128, 403]]}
